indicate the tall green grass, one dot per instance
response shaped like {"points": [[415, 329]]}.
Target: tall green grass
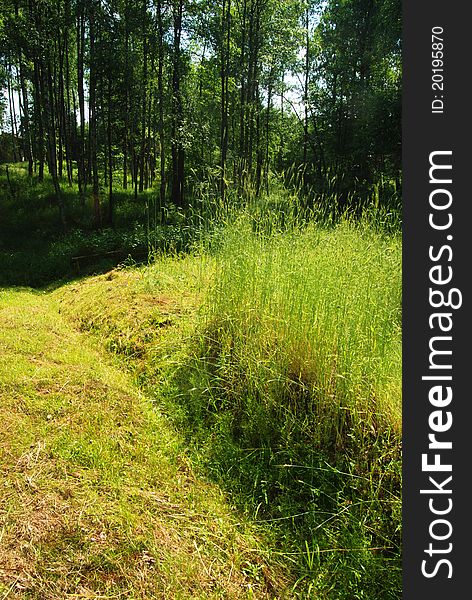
{"points": [[309, 321], [287, 383], [294, 392]]}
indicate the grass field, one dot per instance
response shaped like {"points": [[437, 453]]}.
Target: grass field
{"points": [[223, 422], [284, 373]]}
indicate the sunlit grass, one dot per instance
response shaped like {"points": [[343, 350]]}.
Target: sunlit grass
{"points": [[276, 350], [266, 331], [293, 389], [312, 313], [99, 498]]}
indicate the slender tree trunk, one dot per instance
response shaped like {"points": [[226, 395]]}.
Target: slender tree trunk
{"points": [[110, 156], [162, 159], [225, 50], [14, 131], [28, 150], [242, 113], [253, 122], [149, 167], [200, 101], [178, 156], [61, 111], [49, 95], [54, 112], [305, 98], [67, 111], [126, 81], [134, 174], [267, 132], [93, 125], [26, 133], [38, 98], [250, 96], [39, 118], [81, 174], [222, 102], [259, 158], [282, 140], [143, 99]]}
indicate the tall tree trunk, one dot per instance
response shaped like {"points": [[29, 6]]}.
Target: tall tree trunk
{"points": [[267, 132], [39, 118], [143, 99], [282, 139], [47, 79], [225, 50], [13, 128], [93, 124], [200, 101], [38, 97], [110, 156], [259, 155], [178, 156], [149, 167], [134, 174], [27, 145], [253, 123], [243, 112], [67, 111], [60, 106], [25, 122], [305, 97], [250, 95], [126, 124], [160, 92], [81, 173]]}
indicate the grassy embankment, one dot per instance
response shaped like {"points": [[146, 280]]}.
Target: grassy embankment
{"points": [[286, 382]]}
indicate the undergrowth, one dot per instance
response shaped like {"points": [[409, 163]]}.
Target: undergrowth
{"points": [[36, 250]]}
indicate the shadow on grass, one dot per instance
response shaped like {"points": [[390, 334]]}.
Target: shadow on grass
{"points": [[40, 267], [36, 252], [338, 523]]}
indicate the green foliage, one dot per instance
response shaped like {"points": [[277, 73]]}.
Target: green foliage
{"points": [[287, 384], [310, 89], [261, 139]]}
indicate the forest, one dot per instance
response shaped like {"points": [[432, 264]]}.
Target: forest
{"points": [[178, 95], [200, 301]]}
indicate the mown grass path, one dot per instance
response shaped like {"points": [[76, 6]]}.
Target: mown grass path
{"points": [[97, 497]]}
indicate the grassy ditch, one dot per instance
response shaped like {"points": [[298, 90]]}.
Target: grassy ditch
{"points": [[279, 358]]}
